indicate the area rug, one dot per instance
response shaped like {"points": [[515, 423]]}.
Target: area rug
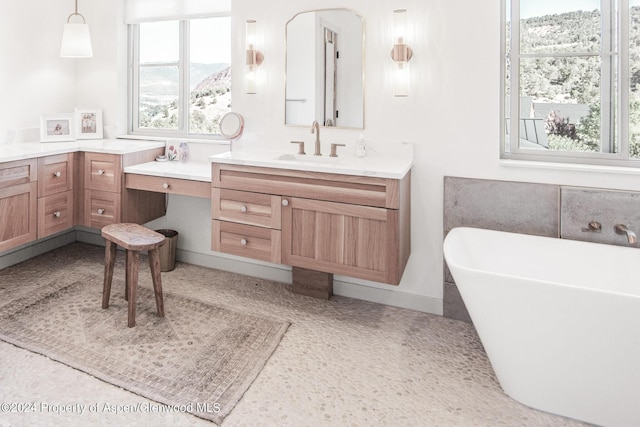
{"points": [[200, 358]]}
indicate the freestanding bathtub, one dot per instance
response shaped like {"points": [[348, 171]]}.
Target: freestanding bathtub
{"points": [[559, 320]]}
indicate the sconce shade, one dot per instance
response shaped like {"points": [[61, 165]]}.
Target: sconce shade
{"points": [[76, 41], [401, 54], [253, 56]]}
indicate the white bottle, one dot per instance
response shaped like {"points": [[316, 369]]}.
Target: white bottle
{"points": [[361, 149]]}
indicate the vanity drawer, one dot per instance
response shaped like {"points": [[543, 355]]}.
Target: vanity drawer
{"points": [[357, 190], [55, 213], [101, 208], [102, 172], [19, 172], [246, 240], [262, 210], [55, 174], [160, 184]]}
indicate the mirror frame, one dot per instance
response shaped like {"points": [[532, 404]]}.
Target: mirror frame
{"points": [[238, 132], [286, 54]]}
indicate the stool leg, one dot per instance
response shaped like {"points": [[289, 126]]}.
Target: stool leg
{"points": [[154, 263], [133, 258], [109, 261]]}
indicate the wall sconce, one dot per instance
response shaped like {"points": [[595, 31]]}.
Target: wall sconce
{"points": [[401, 53], [254, 56], [76, 40]]}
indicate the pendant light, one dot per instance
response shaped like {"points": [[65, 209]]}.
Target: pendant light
{"points": [[76, 40]]}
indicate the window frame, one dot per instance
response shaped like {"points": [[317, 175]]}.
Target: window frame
{"points": [[184, 92], [618, 63]]}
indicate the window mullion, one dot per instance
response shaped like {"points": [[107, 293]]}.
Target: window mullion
{"points": [[514, 63], [607, 83], [134, 77], [624, 79], [185, 92]]}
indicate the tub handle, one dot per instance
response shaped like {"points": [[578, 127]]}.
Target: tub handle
{"points": [[594, 227]]}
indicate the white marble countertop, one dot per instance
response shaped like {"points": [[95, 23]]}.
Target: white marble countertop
{"points": [[194, 171], [393, 163], [28, 150]]}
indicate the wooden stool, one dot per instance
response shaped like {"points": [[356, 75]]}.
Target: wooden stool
{"points": [[133, 238]]}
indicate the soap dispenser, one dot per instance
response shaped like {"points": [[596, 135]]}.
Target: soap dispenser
{"points": [[361, 149]]}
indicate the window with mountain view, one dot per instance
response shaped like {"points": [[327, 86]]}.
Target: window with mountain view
{"points": [[180, 76], [572, 81]]}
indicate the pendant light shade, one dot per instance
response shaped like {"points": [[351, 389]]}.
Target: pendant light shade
{"points": [[76, 40]]}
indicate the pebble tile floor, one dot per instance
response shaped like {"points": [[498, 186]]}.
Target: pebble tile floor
{"points": [[343, 362]]}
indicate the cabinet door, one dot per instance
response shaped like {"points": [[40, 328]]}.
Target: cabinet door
{"points": [[18, 211], [353, 240]]}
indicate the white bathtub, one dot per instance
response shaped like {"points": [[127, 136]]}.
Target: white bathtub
{"points": [[559, 320]]}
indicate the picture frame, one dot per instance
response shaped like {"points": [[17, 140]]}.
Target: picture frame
{"points": [[88, 123], [57, 127]]}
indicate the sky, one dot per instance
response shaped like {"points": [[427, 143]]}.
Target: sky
{"points": [[529, 8]]}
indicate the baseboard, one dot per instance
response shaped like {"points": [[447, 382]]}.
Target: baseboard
{"points": [[341, 287], [276, 273], [388, 297], [38, 247], [88, 235]]}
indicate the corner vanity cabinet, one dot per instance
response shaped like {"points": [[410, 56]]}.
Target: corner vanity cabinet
{"points": [[105, 200], [44, 195], [356, 226], [18, 202]]}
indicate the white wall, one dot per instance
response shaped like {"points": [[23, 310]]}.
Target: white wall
{"points": [[34, 79], [451, 114]]}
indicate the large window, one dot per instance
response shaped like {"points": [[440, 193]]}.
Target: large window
{"points": [[180, 81], [572, 81]]}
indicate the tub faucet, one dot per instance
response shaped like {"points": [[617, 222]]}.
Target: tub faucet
{"points": [[316, 127], [622, 229]]}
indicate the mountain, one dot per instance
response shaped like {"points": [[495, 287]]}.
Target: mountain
{"points": [[201, 72], [221, 79]]}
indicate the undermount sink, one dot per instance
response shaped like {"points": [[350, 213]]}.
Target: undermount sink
{"points": [[307, 158], [393, 161]]}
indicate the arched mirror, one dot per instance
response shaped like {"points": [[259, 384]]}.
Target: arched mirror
{"points": [[325, 69]]}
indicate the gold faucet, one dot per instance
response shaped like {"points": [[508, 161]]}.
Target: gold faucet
{"points": [[316, 127], [623, 230]]}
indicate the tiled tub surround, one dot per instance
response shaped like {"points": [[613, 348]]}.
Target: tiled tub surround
{"points": [[530, 208]]}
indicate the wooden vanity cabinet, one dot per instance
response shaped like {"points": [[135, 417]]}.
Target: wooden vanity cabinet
{"points": [[55, 194], [105, 198], [18, 203], [342, 224]]}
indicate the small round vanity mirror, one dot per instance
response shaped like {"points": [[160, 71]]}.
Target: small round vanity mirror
{"points": [[231, 126]]}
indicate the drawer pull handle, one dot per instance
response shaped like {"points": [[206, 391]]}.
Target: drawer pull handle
{"points": [[100, 172], [57, 174], [56, 214], [243, 242], [285, 202], [243, 208], [165, 185], [100, 211]]}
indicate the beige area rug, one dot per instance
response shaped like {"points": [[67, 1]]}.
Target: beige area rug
{"points": [[200, 358]]}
